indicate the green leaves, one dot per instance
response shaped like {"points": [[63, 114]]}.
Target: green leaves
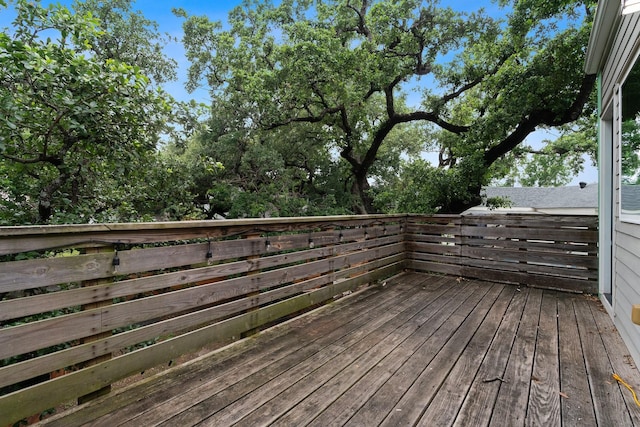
{"points": [[342, 69], [70, 117]]}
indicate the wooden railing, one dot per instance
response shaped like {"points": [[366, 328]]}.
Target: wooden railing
{"points": [[548, 251], [83, 306]]}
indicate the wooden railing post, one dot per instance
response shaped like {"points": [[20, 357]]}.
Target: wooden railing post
{"points": [[98, 304]]}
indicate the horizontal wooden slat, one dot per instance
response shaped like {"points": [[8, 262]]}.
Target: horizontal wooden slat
{"points": [[559, 259], [563, 235], [549, 282], [443, 259], [70, 356], [21, 275], [435, 248], [434, 267], [66, 328], [547, 221], [550, 270], [14, 308], [591, 248], [438, 229], [37, 398], [32, 238], [428, 238]]}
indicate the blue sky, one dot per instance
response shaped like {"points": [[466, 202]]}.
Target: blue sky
{"points": [[160, 11], [217, 10]]}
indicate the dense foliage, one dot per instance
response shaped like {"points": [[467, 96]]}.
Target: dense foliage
{"points": [[339, 71], [318, 107], [79, 130]]}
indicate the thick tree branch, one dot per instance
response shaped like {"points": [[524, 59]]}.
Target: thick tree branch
{"points": [[387, 126], [306, 119], [541, 117], [362, 28]]}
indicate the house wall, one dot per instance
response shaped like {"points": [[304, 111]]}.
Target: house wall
{"points": [[626, 236]]}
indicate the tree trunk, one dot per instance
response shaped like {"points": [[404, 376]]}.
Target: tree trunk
{"points": [[360, 189], [45, 199]]}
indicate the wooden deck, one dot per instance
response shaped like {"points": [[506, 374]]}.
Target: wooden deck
{"points": [[420, 350]]}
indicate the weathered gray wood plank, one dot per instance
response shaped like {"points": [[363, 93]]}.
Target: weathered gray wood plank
{"points": [[444, 407], [621, 361], [477, 407], [609, 405], [289, 386], [259, 350], [368, 377], [387, 396], [577, 407], [511, 405], [544, 394], [411, 406]]}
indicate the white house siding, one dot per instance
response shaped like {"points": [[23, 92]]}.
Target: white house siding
{"points": [[621, 56], [626, 236], [627, 283]]}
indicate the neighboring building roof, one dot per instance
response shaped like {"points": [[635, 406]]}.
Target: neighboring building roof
{"points": [[548, 197]]}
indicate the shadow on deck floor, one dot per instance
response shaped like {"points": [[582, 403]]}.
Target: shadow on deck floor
{"points": [[421, 350]]}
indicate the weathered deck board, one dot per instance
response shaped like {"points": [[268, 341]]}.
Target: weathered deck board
{"points": [[422, 350], [577, 407], [608, 402], [513, 398]]}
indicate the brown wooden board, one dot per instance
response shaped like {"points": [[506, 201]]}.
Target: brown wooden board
{"points": [[445, 259], [431, 319], [549, 282], [292, 384], [589, 248], [20, 275], [544, 394], [432, 248], [445, 405], [32, 238], [562, 234], [511, 404], [28, 369], [409, 409], [43, 396], [608, 401], [364, 377], [550, 221], [386, 397], [433, 238], [434, 267], [560, 271], [237, 360], [561, 259], [619, 356], [477, 407], [577, 406], [18, 307], [66, 328]]}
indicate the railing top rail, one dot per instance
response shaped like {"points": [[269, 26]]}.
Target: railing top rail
{"points": [[20, 239], [168, 225]]}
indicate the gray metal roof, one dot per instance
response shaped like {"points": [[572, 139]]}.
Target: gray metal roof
{"points": [[548, 197]]}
